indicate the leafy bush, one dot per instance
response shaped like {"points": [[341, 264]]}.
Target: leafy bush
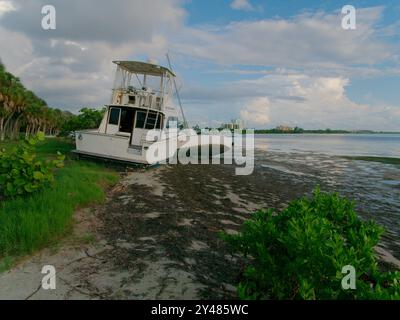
{"points": [[21, 172], [299, 252], [88, 118]]}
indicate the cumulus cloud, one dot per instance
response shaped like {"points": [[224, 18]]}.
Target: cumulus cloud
{"points": [[242, 5], [321, 102], [6, 6], [256, 111]]}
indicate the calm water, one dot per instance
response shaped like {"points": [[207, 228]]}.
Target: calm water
{"points": [[383, 145], [316, 160]]}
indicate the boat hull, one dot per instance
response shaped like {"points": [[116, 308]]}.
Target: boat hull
{"points": [[114, 147], [118, 148]]}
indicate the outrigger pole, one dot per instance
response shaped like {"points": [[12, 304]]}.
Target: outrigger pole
{"points": [[185, 124]]}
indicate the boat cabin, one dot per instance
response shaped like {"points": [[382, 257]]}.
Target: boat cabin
{"points": [[139, 96], [141, 100]]}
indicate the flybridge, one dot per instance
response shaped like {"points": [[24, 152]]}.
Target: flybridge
{"points": [[143, 68], [141, 84]]}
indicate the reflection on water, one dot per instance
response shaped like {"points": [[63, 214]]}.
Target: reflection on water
{"points": [[315, 159]]}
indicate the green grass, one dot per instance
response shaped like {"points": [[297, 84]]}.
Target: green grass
{"points": [[52, 145], [41, 219], [376, 159], [47, 148]]}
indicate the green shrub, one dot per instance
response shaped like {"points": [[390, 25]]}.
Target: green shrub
{"points": [[299, 252], [43, 218], [21, 172]]}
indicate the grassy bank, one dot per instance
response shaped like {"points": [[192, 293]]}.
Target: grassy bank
{"points": [[33, 222]]}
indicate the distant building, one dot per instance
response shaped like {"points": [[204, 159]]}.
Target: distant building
{"points": [[236, 124], [284, 129]]}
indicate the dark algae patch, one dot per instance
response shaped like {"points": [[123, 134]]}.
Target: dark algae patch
{"points": [[386, 160]]}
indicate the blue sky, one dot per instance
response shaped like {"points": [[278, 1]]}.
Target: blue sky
{"points": [[267, 62], [381, 88]]}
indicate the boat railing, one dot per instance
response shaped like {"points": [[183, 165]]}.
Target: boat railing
{"points": [[143, 98], [138, 91]]}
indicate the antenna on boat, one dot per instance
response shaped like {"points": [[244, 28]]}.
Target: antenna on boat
{"points": [[185, 124]]}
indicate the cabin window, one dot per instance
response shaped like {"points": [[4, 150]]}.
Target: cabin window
{"points": [[153, 121], [114, 116], [159, 121], [132, 100], [126, 122], [140, 119]]}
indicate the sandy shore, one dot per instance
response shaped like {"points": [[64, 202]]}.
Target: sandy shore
{"points": [[157, 237]]}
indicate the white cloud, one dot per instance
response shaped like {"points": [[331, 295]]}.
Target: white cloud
{"points": [[305, 41], [256, 111], [312, 102], [242, 5], [294, 99], [6, 6], [72, 67]]}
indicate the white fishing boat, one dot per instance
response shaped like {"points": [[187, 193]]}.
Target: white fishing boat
{"points": [[137, 123]]}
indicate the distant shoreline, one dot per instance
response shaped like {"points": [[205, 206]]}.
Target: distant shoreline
{"points": [[386, 160], [323, 132]]}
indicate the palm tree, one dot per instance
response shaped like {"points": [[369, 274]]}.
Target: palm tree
{"points": [[15, 102], [10, 97], [21, 107]]}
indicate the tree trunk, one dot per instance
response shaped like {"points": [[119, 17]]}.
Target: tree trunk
{"points": [[16, 128], [6, 126], [27, 129], [1, 129]]}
